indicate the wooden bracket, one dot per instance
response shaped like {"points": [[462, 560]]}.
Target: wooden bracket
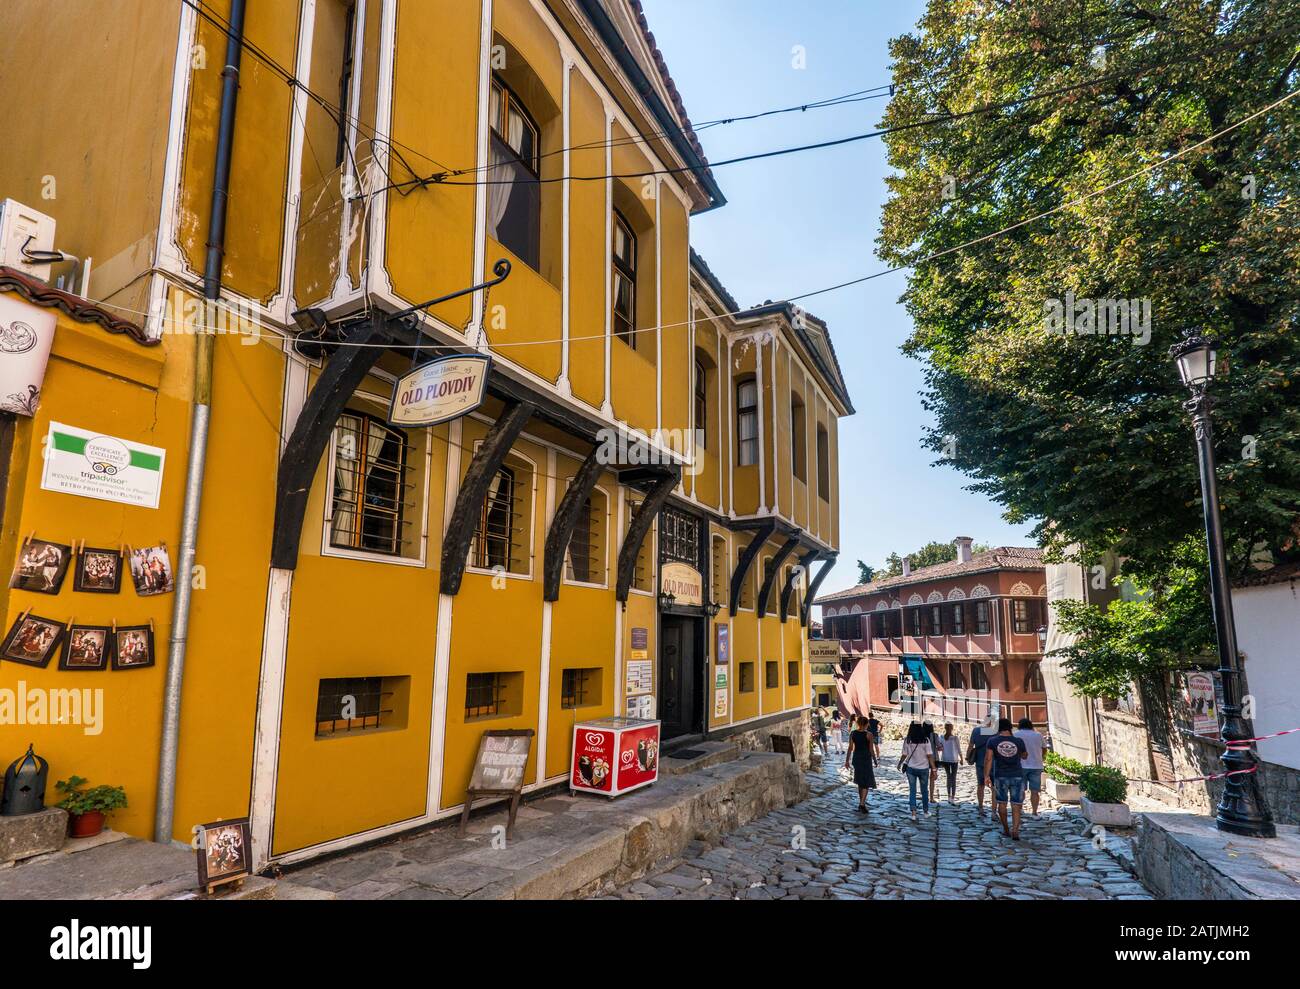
{"points": [[805, 561], [746, 559], [334, 388], [830, 559], [640, 526], [565, 521], [769, 578], [474, 489]]}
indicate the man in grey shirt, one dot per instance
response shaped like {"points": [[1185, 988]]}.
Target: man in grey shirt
{"points": [[1032, 763]]}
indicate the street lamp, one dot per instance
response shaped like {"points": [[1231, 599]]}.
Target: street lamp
{"points": [[713, 608], [666, 600], [1242, 809]]}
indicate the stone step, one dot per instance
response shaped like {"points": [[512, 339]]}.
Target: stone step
{"points": [[711, 754]]}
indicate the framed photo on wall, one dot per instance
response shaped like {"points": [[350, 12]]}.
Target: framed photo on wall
{"points": [[98, 571], [86, 647], [151, 571], [41, 566], [132, 647], [31, 640]]}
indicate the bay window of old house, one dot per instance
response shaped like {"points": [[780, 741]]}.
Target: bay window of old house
{"points": [[747, 421]]}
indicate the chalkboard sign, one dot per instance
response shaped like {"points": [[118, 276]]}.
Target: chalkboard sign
{"points": [[499, 770]]}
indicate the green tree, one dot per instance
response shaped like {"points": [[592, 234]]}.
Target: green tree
{"points": [[929, 555], [866, 573], [1087, 432]]}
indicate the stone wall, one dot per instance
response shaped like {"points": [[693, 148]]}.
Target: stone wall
{"points": [[1125, 745], [1184, 857], [759, 739]]}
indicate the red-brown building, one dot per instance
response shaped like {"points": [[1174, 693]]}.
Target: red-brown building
{"points": [[948, 640]]}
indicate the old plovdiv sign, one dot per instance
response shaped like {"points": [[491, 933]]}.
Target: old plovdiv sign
{"points": [[824, 651], [684, 583], [440, 390]]}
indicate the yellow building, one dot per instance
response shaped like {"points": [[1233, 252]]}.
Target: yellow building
{"points": [[366, 598]]}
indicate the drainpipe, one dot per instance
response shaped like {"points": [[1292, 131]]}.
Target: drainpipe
{"points": [[203, 355]]}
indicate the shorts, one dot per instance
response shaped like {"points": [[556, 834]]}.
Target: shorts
{"points": [[1010, 789], [1033, 779]]}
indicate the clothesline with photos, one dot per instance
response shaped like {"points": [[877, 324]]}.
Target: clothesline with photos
{"points": [[43, 566]]}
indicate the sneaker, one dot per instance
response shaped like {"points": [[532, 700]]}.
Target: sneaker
{"points": [[913, 815]]}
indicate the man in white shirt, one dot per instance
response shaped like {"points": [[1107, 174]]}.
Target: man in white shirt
{"points": [[1032, 763]]}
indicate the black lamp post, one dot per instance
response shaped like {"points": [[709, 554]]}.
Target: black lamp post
{"points": [[1242, 809]]}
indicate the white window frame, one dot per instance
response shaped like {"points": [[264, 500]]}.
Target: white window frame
{"points": [[604, 547]]}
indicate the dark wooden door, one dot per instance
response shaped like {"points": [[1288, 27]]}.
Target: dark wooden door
{"points": [[677, 678]]}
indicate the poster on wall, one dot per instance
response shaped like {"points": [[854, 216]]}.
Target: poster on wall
{"points": [[640, 677], [92, 465], [723, 653], [640, 643], [719, 703], [26, 335], [1199, 693]]}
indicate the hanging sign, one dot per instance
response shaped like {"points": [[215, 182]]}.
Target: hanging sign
{"points": [[684, 583], [824, 651], [440, 390], [92, 465], [26, 335]]}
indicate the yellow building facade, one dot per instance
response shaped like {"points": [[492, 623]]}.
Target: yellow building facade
{"points": [[631, 522]]}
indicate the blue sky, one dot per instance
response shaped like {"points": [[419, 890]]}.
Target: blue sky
{"points": [[809, 220]]}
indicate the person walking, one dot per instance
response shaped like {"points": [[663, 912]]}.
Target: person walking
{"points": [[917, 761], [979, 738], [873, 726], [1002, 771], [819, 729], [862, 756], [1032, 763], [949, 758], [836, 724]]}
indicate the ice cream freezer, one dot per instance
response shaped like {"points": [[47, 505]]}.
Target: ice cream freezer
{"points": [[612, 756]]}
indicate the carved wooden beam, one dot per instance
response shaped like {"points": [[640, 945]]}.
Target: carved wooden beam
{"points": [[343, 374], [805, 561], [640, 526], [566, 519], [830, 559], [769, 578], [474, 489], [746, 559]]}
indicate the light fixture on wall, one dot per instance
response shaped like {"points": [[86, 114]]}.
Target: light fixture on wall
{"points": [[666, 600], [713, 609]]}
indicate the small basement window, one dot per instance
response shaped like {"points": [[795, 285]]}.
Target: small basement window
{"points": [[773, 674], [350, 705], [746, 682], [493, 695], [580, 687], [792, 672]]}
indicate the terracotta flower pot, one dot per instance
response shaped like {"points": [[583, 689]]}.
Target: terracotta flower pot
{"points": [[87, 825]]}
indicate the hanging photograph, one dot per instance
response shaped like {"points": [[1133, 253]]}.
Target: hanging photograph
{"points": [[151, 571], [132, 647], [31, 640], [98, 571], [224, 851], [41, 567], [86, 647]]}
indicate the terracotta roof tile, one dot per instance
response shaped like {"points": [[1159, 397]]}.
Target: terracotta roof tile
{"points": [[1023, 558], [38, 293], [671, 86]]}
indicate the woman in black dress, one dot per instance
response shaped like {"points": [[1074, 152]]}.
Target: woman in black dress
{"points": [[861, 754]]}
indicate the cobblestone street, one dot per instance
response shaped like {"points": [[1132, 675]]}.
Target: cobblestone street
{"points": [[956, 854]]}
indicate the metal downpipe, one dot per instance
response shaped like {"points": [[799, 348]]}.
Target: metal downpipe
{"points": [[165, 809]]}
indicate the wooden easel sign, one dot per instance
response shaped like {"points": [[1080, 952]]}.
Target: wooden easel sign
{"points": [[499, 771], [224, 853]]}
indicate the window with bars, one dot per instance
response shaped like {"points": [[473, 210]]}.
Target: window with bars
{"points": [[983, 625], [772, 673], [501, 531], [747, 421], [679, 537], [580, 687], [623, 296], [493, 695], [718, 571], [355, 704], [642, 575], [585, 560], [371, 487], [514, 194], [746, 600]]}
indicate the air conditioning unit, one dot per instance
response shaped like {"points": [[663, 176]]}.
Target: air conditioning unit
{"points": [[23, 227]]}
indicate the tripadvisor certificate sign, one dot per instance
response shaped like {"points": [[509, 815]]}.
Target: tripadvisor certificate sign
{"points": [[440, 390], [81, 462]]}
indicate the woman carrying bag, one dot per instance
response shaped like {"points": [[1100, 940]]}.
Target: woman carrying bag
{"points": [[918, 762]]}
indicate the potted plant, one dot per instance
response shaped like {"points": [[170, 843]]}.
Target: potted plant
{"points": [[1104, 789], [1062, 774], [86, 806]]}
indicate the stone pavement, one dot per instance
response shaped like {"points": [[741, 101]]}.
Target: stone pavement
{"points": [[824, 849]]}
